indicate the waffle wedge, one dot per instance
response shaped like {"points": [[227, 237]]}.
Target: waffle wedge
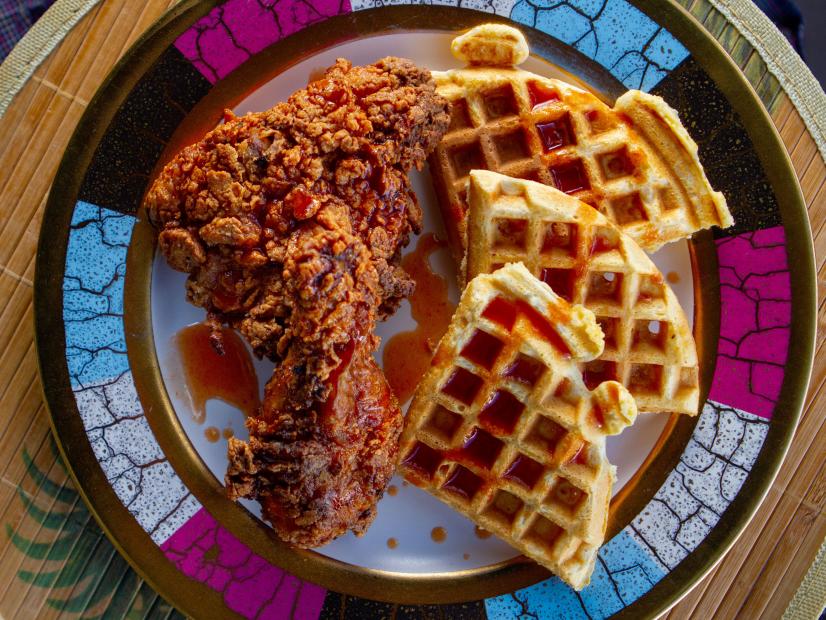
{"points": [[634, 162], [586, 259], [503, 429]]}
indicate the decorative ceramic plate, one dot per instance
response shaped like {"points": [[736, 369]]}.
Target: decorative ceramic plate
{"points": [[150, 461]]}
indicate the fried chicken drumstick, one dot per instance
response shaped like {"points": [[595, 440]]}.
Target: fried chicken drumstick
{"points": [[290, 224]]}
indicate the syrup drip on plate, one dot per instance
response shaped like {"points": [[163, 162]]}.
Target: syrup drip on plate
{"points": [[229, 377], [481, 533], [407, 354], [438, 534]]}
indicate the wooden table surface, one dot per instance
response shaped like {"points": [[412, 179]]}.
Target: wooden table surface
{"points": [[46, 524]]}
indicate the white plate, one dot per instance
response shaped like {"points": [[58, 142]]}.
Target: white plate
{"points": [[410, 515]]}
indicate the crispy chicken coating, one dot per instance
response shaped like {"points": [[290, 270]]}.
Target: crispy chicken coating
{"points": [[290, 224]]}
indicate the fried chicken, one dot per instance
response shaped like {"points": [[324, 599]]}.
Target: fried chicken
{"points": [[290, 224]]}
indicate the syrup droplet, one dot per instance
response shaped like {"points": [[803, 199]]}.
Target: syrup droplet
{"points": [[438, 534], [392, 543], [673, 277], [465, 556], [392, 490], [481, 533], [227, 433], [212, 434]]}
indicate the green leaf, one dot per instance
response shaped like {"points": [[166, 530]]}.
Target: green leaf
{"points": [[118, 607], [82, 600], [50, 520], [59, 549], [63, 494], [110, 582], [81, 559]]}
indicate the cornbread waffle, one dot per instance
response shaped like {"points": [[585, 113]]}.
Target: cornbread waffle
{"points": [[586, 259], [503, 429], [634, 162]]}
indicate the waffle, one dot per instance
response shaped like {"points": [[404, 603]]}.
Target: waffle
{"points": [[634, 162], [503, 429], [587, 260]]}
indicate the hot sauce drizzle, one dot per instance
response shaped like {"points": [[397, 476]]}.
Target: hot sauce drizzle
{"points": [[407, 354], [229, 377]]}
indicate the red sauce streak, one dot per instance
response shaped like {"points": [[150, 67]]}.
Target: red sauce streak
{"points": [[581, 456], [501, 413], [501, 311], [541, 93], [345, 354], [525, 370], [525, 471], [600, 245], [544, 327], [480, 448], [463, 385], [570, 178], [555, 134], [229, 377], [407, 355], [483, 349], [561, 281], [464, 483], [597, 372], [423, 459]]}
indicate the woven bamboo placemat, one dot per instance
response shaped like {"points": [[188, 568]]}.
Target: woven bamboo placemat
{"points": [[55, 561]]}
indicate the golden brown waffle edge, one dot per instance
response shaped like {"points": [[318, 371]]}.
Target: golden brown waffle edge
{"points": [[586, 259], [635, 162], [503, 429]]}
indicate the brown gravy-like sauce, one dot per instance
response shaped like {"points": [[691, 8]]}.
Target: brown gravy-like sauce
{"points": [[407, 354], [229, 377]]}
